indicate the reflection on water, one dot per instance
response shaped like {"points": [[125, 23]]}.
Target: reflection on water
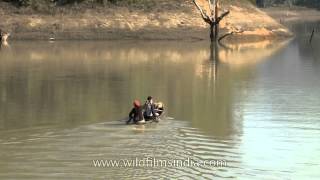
{"points": [[70, 83], [254, 105]]}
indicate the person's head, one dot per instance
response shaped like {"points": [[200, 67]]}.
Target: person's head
{"points": [[149, 99], [136, 103]]}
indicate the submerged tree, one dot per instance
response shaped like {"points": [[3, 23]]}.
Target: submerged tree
{"points": [[213, 19]]}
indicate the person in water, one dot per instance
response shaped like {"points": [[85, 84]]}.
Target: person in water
{"points": [[136, 114], [3, 37], [149, 110], [159, 108]]}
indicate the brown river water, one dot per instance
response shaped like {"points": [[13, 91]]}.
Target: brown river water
{"points": [[256, 107]]}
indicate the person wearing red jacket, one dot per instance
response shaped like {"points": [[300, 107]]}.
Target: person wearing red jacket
{"points": [[136, 114]]}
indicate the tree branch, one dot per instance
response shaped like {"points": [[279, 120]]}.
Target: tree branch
{"points": [[225, 35], [211, 8], [217, 21], [205, 17], [228, 34]]}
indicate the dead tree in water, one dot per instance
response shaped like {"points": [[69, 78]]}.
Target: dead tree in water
{"points": [[213, 19], [311, 36]]}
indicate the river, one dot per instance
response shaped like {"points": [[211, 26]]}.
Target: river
{"points": [[253, 106]]}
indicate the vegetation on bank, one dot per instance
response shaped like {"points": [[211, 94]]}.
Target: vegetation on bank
{"points": [[47, 5], [65, 2]]}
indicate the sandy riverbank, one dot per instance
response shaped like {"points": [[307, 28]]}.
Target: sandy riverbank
{"points": [[293, 15], [168, 20]]}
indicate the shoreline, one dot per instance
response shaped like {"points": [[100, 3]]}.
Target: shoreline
{"points": [[113, 24], [143, 35]]}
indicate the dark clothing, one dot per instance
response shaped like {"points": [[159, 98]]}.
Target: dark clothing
{"points": [[159, 111], [149, 118], [135, 115], [149, 111]]}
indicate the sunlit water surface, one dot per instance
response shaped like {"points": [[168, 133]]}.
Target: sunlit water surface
{"points": [[257, 106]]}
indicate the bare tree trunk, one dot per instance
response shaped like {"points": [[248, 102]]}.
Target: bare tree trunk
{"points": [[0, 36], [216, 30], [213, 19], [311, 37], [214, 58], [212, 32]]}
